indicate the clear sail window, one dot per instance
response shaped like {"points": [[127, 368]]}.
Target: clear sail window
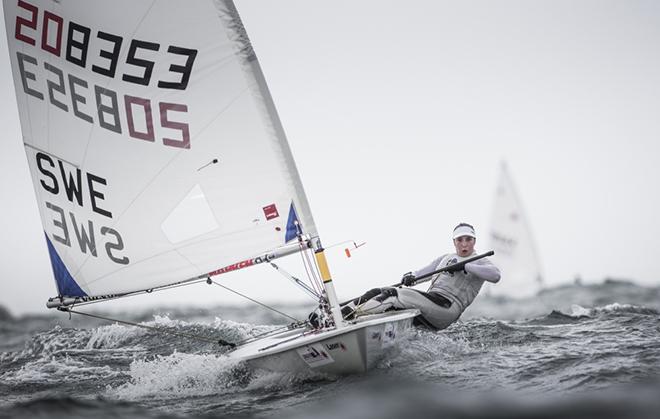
{"points": [[192, 217]]}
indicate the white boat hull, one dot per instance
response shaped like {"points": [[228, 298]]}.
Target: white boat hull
{"points": [[349, 350]]}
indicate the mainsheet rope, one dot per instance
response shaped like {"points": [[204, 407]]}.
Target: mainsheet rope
{"points": [[152, 328], [222, 342]]}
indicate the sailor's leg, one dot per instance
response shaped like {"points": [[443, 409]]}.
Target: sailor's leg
{"points": [[348, 310], [384, 301], [436, 310]]}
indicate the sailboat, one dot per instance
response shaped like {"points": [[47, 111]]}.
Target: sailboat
{"points": [[158, 160], [512, 240]]}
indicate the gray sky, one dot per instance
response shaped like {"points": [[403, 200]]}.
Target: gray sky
{"points": [[398, 115]]}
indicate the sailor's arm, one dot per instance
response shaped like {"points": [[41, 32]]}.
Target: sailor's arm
{"points": [[484, 269], [429, 268]]}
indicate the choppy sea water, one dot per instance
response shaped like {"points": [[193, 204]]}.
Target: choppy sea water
{"points": [[572, 351]]}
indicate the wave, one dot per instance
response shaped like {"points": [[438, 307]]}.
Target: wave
{"points": [[617, 308], [578, 313], [160, 332], [564, 350], [180, 375], [134, 361]]}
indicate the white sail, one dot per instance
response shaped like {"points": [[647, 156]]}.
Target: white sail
{"points": [[511, 239], [153, 143]]}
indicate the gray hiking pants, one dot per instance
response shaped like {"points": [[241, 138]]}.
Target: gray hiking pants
{"points": [[438, 311]]}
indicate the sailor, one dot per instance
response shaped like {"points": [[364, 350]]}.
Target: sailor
{"points": [[450, 293]]}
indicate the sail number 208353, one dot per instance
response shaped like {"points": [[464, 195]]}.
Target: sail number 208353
{"points": [[44, 34]]}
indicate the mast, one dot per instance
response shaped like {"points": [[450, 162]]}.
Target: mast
{"points": [[328, 285]]}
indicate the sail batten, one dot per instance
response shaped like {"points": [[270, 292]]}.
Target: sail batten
{"points": [[121, 114]]}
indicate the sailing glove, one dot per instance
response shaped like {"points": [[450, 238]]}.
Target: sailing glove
{"points": [[408, 279], [452, 269]]}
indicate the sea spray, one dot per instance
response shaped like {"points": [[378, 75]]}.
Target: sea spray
{"points": [[180, 375]]}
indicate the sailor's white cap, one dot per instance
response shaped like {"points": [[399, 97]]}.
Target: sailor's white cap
{"points": [[464, 230]]}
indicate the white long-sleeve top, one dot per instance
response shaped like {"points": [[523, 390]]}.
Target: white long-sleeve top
{"points": [[459, 287]]}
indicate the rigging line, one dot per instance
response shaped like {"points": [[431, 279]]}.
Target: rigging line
{"points": [[311, 279], [302, 257], [184, 281], [209, 281], [153, 328], [358, 309], [147, 291], [300, 246], [310, 291], [271, 332], [315, 267], [317, 272], [311, 260]]}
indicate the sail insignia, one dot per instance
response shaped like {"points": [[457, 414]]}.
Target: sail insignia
{"points": [[292, 225], [66, 285]]}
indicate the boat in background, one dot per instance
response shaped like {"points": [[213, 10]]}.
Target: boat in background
{"points": [[511, 238], [158, 160]]}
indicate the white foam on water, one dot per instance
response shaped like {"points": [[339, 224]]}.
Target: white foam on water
{"points": [[614, 307], [240, 331], [165, 321], [50, 370], [117, 335], [47, 344], [423, 348], [178, 375], [113, 336], [579, 311]]}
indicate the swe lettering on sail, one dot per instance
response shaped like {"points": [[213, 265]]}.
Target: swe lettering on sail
{"points": [[57, 179], [139, 117]]}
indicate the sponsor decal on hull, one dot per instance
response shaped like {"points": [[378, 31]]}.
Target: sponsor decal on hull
{"points": [[315, 355], [336, 346], [389, 335]]}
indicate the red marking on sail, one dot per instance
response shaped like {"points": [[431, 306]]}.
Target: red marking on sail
{"points": [[270, 212]]}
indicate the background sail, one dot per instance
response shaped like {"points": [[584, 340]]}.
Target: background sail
{"points": [[153, 143], [511, 239]]}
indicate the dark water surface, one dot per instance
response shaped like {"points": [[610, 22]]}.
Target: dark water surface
{"points": [[573, 351]]}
